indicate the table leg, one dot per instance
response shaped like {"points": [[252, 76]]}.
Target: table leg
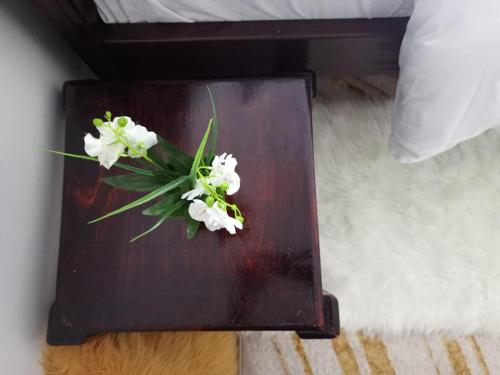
{"points": [[332, 323], [59, 334]]}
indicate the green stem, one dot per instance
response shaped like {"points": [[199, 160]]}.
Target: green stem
{"points": [[215, 195], [134, 150], [151, 161], [118, 165]]}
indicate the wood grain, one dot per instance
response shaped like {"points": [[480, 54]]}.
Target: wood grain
{"points": [[266, 277]]}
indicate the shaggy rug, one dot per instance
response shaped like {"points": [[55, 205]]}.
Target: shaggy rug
{"points": [[180, 353], [357, 354], [404, 247], [410, 251]]}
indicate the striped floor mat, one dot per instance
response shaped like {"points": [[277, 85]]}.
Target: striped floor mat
{"points": [[355, 353]]}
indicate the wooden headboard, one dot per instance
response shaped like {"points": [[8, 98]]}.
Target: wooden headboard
{"points": [[227, 49]]}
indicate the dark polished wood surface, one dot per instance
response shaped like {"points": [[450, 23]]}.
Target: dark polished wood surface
{"points": [[235, 49], [266, 277], [227, 49]]}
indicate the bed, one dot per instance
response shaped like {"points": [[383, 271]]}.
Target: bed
{"points": [[169, 50], [447, 54]]}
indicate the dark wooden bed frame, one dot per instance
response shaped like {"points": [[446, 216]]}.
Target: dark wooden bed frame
{"points": [[227, 49]]}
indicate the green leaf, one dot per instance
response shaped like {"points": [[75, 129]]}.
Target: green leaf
{"points": [[157, 158], [191, 227], [164, 176], [178, 158], [133, 169], [213, 143], [156, 193], [199, 153], [182, 212], [119, 165], [146, 164], [133, 182], [163, 217], [163, 204]]}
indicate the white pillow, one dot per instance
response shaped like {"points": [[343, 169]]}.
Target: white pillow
{"points": [[449, 84]]}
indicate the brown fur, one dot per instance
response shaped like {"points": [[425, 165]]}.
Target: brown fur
{"points": [[179, 353]]}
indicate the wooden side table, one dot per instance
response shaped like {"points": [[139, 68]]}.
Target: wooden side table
{"points": [[265, 278]]}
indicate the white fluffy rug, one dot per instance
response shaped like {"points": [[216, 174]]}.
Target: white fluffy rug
{"points": [[404, 247]]}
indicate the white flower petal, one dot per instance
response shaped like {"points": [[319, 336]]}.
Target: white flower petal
{"points": [[214, 218], [231, 224], [223, 220], [114, 124], [198, 210], [193, 194], [196, 193], [217, 162], [134, 155], [230, 227], [228, 223], [223, 171], [107, 135], [230, 163], [150, 139], [140, 139], [110, 154], [129, 126], [234, 182], [198, 190], [213, 225], [134, 134], [93, 146], [216, 180], [238, 224]]}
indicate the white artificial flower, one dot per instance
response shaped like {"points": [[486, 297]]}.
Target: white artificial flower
{"points": [[108, 148], [223, 171], [107, 152], [107, 135], [110, 155], [114, 138], [112, 131], [213, 217], [198, 210], [228, 222], [140, 140], [199, 189], [93, 146], [115, 125]]}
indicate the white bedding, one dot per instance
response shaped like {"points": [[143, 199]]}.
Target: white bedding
{"points": [[449, 84], [134, 11]]}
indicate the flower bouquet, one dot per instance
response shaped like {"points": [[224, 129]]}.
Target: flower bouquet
{"points": [[177, 184]]}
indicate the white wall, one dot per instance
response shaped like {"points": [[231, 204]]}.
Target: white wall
{"points": [[34, 62]]}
